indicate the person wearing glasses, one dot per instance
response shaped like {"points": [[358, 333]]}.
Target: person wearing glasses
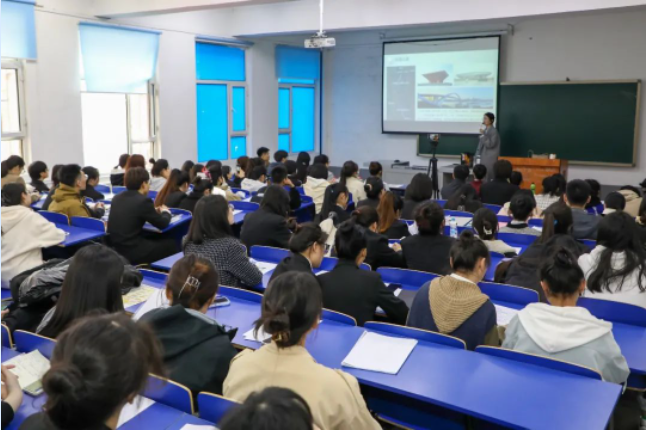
{"points": [[210, 237], [307, 246]]}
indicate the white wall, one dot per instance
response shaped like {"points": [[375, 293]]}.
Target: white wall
{"points": [[609, 45]]}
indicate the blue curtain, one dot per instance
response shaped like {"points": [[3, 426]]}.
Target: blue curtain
{"points": [[18, 29], [118, 59], [219, 62], [297, 63]]}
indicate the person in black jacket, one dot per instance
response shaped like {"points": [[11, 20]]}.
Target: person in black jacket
{"points": [[279, 177], [374, 190], [380, 253], [37, 172], [196, 349], [335, 203], [55, 181], [500, 190], [201, 187], [460, 175], [268, 226], [419, 190], [174, 191], [307, 247], [353, 291], [129, 211], [389, 211], [428, 251], [93, 177], [118, 173]]}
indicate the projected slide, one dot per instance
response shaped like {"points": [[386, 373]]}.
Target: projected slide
{"points": [[439, 86]]}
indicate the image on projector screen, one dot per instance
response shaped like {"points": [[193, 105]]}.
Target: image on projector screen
{"points": [[442, 86]]}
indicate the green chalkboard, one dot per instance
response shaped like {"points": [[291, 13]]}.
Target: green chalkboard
{"points": [[583, 122]]}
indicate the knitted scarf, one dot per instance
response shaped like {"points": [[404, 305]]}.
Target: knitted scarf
{"points": [[453, 301]]}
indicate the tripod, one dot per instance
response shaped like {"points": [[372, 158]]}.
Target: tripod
{"points": [[432, 171]]}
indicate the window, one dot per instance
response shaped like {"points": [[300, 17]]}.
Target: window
{"points": [[221, 102], [14, 129]]}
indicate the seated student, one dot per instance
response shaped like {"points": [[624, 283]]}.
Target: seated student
{"points": [[263, 154], [38, 172], [55, 178], [11, 395], [67, 198], [389, 211], [499, 191], [210, 237], [521, 207], [135, 160], [353, 291], [614, 202], [172, 194], [376, 170], [454, 304], [190, 338], [485, 223], [302, 165], [227, 173], [516, 178], [479, 174], [460, 175], [335, 204], [24, 233], [428, 250], [15, 165], [633, 197], [419, 190], [220, 186], [465, 199], [187, 166], [117, 174], [279, 177], [350, 178], [380, 254], [99, 365], [551, 193], [325, 160], [93, 177], [374, 188], [307, 249], [151, 164], [595, 189], [292, 172], [616, 267], [316, 183], [280, 157], [577, 195], [83, 292], [129, 211], [270, 409], [160, 173], [196, 170], [291, 309], [240, 173], [268, 225], [562, 330], [201, 188], [255, 180]]}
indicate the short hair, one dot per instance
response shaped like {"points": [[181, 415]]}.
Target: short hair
{"points": [[516, 177], [14, 161], [257, 173], [479, 171], [261, 151], [578, 192], [429, 218], [466, 252], [461, 172], [375, 168], [91, 172], [502, 169], [35, 169], [321, 159], [278, 174], [280, 155], [522, 204], [135, 178], [69, 174], [317, 171], [491, 116], [550, 186], [420, 188], [615, 201], [292, 166], [159, 166]]}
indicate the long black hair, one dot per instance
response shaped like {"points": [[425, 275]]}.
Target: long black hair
{"points": [[618, 233], [332, 193], [276, 200], [210, 220], [374, 187], [557, 220], [349, 169], [350, 240]]}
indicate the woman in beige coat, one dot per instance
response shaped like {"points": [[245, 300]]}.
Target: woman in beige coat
{"points": [[291, 309]]}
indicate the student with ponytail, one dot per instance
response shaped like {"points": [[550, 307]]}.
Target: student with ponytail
{"points": [[380, 253], [201, 187], [350, 178], [174, 191], [454, 304], [335, 203], [374, 189], [564, 331], [291, 309], [485, 223], [389, 211], [99, 365], [307, 249], [189, 337]]}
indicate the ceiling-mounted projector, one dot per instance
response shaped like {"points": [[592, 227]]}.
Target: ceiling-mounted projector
{"points": [[319, 42]]}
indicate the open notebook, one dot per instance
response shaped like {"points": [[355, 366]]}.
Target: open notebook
{"points": [[30, 369]]}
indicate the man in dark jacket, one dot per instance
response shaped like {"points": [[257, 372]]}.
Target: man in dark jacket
{"points": [[280, 157], [500, 190], [577, 195], [279, 177], [460, 175]]}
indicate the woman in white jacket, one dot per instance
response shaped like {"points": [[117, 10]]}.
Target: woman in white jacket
{"points": [[24, 233], [316, 184], [350, 178], [564, 331], [616, 267]]}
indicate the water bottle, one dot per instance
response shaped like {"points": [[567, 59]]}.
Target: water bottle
{"points": [[453, 227], [533, 188]]}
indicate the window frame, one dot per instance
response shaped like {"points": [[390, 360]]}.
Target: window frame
{"points": [[288, 131], [22, 135]]}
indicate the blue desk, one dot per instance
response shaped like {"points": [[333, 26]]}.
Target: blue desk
{"points": [[37, 206], [78, 235], [6, 294], [184, 218], [167, 262]]}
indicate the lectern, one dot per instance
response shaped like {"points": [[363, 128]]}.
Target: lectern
{"points": [[535, 169]]}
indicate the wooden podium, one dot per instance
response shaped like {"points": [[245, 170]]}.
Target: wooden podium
{"points": [[535, 169]]}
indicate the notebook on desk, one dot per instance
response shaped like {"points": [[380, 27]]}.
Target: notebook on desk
{"points": [[379, 353], [30, 369]]}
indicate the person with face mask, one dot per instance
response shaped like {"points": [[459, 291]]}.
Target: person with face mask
{"points": [[488, 145]]}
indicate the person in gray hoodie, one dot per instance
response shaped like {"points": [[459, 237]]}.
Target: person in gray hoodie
{"points": [[564, 331]]}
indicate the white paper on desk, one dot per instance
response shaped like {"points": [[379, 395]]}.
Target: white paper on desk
{"points": [[264, 266], [138, 295], [396, 293], [518, 249], [131, 410], [196, 427], [261, 336], [504, 314], [379, 353], [30, 369]]}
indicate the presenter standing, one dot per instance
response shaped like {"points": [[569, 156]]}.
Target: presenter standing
{"points": [[488, 145]]}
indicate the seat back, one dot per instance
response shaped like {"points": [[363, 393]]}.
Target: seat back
{"points": [[504, 218], [338, 317], [214, 407], [103, 189], [88, 223], [6, 337], [167, 263], [28, 342], [329, 263], [118, 189], [169, 393], [448, 212], [494, 208], [509, 293], [55, 217], [535, 222], [152, 194], [515, 238], [268, 253], [240, 294], [440, 202], [618, 312], [539, 360], [415, 333], [245, 206], [306, 199], [246, 193], [407, 277]]}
